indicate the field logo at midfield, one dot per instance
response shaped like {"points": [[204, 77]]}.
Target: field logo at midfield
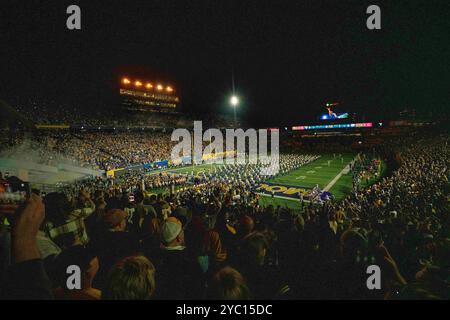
{"points": [[191, 151], [283, 190]]}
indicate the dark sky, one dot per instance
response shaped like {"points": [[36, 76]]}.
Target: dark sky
{"points": [[288, 57]]}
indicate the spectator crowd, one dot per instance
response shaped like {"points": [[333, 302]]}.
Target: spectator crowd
{"points": [[212, 240]]}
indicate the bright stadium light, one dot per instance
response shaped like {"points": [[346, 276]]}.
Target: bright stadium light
{"points": [[169, 89], [234, 101], [138, 83], [149, 86], [126, 81]]}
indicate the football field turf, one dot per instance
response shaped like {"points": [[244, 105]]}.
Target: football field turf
{"points": [[198, 169], [319, 172]]}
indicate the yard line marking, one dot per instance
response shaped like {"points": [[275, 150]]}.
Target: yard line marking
{"points": [[333, 182], [311, 171]]}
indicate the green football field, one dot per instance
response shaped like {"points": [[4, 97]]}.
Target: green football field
{"points": [[198, 169], [323, 171]]}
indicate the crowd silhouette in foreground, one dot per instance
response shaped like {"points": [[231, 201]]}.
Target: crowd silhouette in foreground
{"points": [[214, 241]]}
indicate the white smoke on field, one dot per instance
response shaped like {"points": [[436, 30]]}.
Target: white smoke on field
{"points": [[28, 150], [22, 158]]}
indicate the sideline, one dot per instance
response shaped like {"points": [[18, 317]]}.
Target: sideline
{"points": [[335, 179]]}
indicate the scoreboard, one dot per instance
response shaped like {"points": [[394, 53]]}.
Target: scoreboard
{"points": [[334, 126]]}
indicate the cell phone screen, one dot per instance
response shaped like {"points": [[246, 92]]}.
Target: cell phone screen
{"points": [[12, 197], [11, 193]]}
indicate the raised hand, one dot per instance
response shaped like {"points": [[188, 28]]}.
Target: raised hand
{"points": [[25, 229]]}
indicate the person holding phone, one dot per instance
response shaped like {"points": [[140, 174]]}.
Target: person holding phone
{"points": [[27, 278]]}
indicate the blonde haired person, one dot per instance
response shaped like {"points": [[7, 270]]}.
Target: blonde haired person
{"points": [[132, 278]]}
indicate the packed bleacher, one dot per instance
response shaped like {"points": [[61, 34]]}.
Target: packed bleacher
{"points": [[49, 112], [213, 240], [102, 150]]}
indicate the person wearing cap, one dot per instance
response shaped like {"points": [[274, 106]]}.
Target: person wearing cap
{"points": [[172, 234], [178, 273]]}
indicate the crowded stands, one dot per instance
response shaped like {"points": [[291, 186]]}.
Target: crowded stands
{"points": [[210, 239]]}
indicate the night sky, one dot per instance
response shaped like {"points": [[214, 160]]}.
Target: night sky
{"points": [[288, 57]]}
